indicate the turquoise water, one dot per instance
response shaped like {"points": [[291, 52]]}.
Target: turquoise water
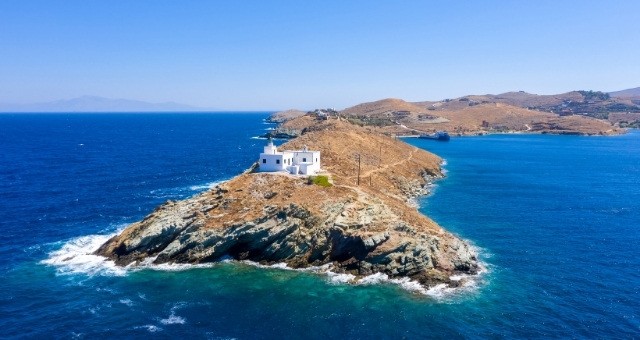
{"points": [[556, 218]]}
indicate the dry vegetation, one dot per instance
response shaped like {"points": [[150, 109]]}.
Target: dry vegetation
{"points": [[358, 228], [283, 116], [391, 172], [475, 115]]}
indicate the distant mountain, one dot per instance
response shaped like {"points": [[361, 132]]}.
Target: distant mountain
{"points": [[634, 92], [96, 104]]}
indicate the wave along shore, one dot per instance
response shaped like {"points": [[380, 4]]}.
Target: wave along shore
{"points": [[360, 234]]}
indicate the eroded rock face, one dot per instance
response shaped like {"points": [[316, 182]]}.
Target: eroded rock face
{"points": [[355, 232]]}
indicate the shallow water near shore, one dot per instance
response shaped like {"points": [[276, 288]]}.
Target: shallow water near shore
{"points": [[557, 219]]}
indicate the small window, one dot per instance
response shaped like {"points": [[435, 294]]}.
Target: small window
{"points": [[264, 160], [316, 160], [304, 159], [277, 161]]}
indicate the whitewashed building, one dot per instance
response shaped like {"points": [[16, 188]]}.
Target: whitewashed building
{"points": [[297, 162]]}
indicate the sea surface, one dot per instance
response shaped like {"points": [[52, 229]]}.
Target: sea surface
{"points": [[556, 218]]}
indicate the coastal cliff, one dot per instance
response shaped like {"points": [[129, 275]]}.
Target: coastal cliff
{"points": [[356, 226]]}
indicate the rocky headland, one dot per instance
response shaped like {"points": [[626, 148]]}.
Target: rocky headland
{"points": [[358, 226]]}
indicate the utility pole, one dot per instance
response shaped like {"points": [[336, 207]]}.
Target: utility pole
{"points": [[358, 170]]}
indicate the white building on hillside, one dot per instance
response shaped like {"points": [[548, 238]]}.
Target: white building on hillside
{"points": [[297, 162]]}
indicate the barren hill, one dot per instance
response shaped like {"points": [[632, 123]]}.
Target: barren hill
{"points": [[474, 115], [359, 227], [283, 116], [497, 117], [594, 104], [388, 113], [633, 93], [384, 107]]}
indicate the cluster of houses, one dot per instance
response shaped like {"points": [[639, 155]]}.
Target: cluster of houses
{"points": [[296, 162]]}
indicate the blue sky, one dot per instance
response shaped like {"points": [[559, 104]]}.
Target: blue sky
{"points": [[254, 55]]}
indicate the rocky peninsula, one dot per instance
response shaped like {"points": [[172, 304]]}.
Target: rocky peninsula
{"points": [[359, 225]]}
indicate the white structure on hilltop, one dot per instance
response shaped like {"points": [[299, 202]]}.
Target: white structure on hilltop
{"points": [[297, 162]]}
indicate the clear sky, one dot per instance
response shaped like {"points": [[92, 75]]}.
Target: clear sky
{"points": [[253, 55]]}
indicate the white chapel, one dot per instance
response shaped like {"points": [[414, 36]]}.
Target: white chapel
{"points": [[297, 162]]}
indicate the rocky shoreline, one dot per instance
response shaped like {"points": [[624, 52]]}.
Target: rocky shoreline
{"points": [[275, 218]]}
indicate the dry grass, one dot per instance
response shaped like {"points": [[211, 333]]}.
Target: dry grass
{"points": [[383, 175], [462, 119]]}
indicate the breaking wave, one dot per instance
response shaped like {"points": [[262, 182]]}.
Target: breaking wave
{"points": [[77, 257], [173, 319], [206, 186], [180, 192], [265, 138]]}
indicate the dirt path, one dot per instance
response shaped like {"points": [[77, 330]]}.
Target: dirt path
{"points": [[387, 166]]}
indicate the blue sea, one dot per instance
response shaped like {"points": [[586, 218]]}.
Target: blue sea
{"points": [[556, 218]]}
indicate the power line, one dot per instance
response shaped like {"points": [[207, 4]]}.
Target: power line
{"points": [[358, 183]]}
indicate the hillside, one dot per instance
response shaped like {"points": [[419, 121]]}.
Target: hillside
{"points": [[470, 115], [386, 112], [358, 227], [594, 104], [283, 116], [634, 92], [576, 112]]}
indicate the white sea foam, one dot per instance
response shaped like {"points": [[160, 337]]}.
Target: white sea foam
{"points": [[283, 266], [405, 283], [442, 167], [173, 320], [265, 138], [173, 267], [376, 278], [207, 186], [177, 192], [438, 292], [340, 278], [76, 256], [457, 277], [150, 328]]}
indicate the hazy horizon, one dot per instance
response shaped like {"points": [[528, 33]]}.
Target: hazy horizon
{"points": [[262, 56]]}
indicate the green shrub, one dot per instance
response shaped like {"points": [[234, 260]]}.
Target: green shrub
{"points": [[322, 181]]}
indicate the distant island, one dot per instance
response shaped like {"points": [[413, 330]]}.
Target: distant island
{"points": [[356, 217], [575, 113]]}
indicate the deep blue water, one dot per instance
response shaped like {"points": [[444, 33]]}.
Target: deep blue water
{"points": [[557, 219]]}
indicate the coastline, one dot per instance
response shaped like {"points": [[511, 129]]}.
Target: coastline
{"points": [[388, 233], [619, 132], [78, 256]]}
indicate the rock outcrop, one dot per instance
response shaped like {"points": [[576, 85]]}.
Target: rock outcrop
{"points": [[274, 218]]}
